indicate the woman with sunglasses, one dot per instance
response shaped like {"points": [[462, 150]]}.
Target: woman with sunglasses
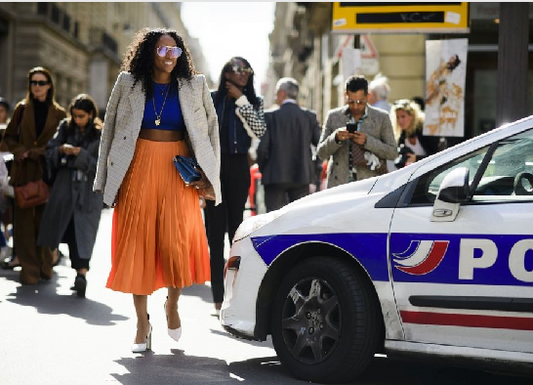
{"points": [[34, 123], [72, 213], [159, 108], [240, 118], [408, 123]]}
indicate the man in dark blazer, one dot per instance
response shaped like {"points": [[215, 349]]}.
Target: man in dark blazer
{"points": [[284, 155]]}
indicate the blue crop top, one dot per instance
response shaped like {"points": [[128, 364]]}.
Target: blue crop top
{"points": [[171, 117]]}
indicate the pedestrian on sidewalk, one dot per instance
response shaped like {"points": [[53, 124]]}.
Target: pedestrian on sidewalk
{"points": [[34, 123], [72, 213], [408, 124], [285, 155], [159, 108], [357, 138], [241, 119]]}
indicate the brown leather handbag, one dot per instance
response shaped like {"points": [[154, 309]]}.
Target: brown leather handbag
{"points": [[32, 194]]}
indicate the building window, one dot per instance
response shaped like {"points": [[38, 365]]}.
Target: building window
{"points": [[76, 31], [42, 8], [56, 14], [66, 23]]}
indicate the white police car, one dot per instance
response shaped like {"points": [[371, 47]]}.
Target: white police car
{"points": [[433, 260]]}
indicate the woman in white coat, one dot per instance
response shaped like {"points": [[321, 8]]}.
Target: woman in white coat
{"points": [[159, 108]]}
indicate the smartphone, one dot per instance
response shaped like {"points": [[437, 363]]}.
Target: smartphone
{"points": [[351, 127]]}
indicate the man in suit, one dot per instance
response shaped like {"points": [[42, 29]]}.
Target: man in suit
{"points": [[360, 154], [284, 155]]}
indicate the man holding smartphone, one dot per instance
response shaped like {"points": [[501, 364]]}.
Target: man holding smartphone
{"points": [[357, 138]]}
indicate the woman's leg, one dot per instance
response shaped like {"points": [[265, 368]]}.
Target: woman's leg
{"points": [[24, 238], [171, 308], [143, 325]]}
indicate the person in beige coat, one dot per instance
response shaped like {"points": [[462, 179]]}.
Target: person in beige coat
{"points": [[159, 108], [362, 153]]}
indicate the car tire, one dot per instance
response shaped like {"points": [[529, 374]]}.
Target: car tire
{"points": [[325, 321]]}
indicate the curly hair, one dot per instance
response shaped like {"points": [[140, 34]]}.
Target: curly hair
{"points": [[411, 108], [139, 59], [249, 90]]}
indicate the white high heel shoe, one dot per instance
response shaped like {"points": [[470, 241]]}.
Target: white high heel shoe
{"points": [[147, 345], [175, 334]]}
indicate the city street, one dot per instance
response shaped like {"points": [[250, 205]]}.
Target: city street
{"points": [[50, 336]]}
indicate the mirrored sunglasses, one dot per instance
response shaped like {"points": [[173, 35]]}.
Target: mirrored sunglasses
{"points": [[357, 101], [242, 70], [175, 52], [40, 83]]}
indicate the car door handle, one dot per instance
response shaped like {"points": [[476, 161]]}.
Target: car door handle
{"points": [[442, 212]]}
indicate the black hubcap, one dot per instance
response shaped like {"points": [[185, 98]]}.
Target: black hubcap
{"points": [[311, 321]]}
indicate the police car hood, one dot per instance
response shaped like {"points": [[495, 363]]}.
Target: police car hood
{"points": [[334, 209]]}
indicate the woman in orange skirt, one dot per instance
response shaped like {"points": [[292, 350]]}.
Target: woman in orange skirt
{"points": [[159, 108]]}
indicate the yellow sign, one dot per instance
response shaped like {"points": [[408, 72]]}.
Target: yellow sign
{"points": [[361, 18]]}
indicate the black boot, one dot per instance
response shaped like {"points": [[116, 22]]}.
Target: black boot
{"points": [[80, 285]]}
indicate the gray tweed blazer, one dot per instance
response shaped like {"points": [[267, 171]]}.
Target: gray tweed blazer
{"points": [[380, 141], [124, 114]]}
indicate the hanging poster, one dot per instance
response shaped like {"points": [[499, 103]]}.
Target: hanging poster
{"points": [[445, 87], [351, 62]]}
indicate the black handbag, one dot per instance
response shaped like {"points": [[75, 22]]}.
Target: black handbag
{"points": [[188, 168]]}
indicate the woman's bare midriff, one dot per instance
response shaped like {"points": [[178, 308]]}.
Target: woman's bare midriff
{"points": [[161, 135]]}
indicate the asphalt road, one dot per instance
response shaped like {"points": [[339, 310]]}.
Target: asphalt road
{"points": [[50, 336]]}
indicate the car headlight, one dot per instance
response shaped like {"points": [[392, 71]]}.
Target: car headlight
{"points": [[248, 226]]}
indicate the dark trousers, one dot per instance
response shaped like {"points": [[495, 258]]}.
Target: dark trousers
{"points": [[69, 237], [35, 261], [278, 195], [227, 216]]}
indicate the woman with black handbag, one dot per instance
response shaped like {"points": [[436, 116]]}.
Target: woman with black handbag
{"points": [[72, 213], [34, 123]]}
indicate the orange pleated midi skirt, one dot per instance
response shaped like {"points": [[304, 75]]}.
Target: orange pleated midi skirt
{"points": [[158, 235]]}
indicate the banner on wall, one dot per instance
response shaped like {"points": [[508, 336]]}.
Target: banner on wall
{"points": [[445, 87]]}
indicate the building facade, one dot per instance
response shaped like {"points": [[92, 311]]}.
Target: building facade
{"points": [[303, 46], [81, 43]]}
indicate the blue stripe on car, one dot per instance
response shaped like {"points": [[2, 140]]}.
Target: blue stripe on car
{"points": [[369, 248]]}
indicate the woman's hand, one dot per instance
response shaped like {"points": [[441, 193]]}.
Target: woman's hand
{"points": [[68, 149], [233, 90], [204, 187], [411, 158], [201, 184], [21, 156]]}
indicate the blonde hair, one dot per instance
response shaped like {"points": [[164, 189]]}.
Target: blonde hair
{"points": [[412, 109]]}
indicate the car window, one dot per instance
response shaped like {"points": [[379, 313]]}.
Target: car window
{"points": [[507, 177]]}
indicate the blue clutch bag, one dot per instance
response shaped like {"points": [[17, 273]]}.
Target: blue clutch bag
{"points": [[188, 168]]}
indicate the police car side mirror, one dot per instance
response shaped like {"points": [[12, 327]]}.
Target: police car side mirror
{"points": [[453, 190]]}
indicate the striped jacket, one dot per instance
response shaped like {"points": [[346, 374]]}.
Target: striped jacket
{"points": [[124, 114]]}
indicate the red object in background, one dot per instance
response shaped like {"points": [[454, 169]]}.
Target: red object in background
{"points": [[255, 177]]}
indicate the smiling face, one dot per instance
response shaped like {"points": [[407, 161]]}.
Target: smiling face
{"points": [[166, 63], [39, 86]]}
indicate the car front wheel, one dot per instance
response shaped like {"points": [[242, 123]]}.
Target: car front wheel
{"points": [[325, 321]]}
